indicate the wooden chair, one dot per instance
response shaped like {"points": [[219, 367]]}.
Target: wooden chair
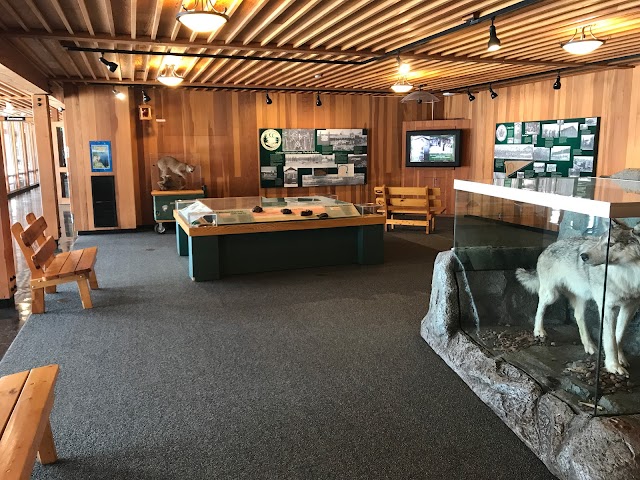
{"points": [[26, 401], [396, 201], [49, 270]]}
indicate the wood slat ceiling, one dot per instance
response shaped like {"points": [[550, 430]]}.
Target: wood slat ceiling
{"points": [[20, 100], [354, 30]]}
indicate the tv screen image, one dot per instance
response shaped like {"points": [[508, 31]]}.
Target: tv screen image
{"points": [[433, 148]]}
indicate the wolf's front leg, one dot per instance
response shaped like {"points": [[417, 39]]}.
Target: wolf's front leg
{"points": [[627, 310], [611, 360]]}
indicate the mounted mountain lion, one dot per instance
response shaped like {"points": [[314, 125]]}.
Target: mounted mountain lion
{"points": [[168, 165]]}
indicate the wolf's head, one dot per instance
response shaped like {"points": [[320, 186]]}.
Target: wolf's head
{"points": [[623, 243], [190, 168]]}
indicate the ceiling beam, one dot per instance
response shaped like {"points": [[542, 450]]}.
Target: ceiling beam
{"points": [[16, 70], [256, 47], [224, 86]]}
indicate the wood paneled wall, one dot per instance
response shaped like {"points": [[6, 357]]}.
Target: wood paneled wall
{"points": [[613, 95], [94, 113], [221, 130]]}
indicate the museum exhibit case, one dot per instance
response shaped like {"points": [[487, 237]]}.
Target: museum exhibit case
{"points": [[549, 281], [226, 236], [174, 179]]}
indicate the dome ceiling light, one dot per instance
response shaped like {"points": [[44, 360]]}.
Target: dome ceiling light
{"points": [[169, 76], [205, 19], [402, 86], [584, 44]]}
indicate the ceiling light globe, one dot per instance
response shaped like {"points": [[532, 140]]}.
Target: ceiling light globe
{"points": [[170, 81], [202, 22], [582, 47], [404, 69]]}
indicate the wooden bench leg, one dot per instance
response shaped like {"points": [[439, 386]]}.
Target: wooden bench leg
{"points": [[51, 289], [47, 449], [85, 294], [93, 280], [37, 300]]}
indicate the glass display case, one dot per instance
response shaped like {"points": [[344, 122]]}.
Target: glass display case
{"points": [[549, 280], [242, 210]]}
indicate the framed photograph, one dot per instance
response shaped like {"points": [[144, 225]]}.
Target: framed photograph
{"points": [[101, 160]]}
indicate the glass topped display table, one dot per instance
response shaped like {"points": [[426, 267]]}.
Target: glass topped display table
{"points": [[227, 236]]}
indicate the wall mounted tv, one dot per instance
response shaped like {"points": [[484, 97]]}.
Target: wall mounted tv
{"points": [[433, 148]]}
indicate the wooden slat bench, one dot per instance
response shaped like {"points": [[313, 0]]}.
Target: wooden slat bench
{"points": [[49, 270], [410, 201], [26, 400]]}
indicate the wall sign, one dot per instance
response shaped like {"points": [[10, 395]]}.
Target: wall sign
{"points": [[546, 148], [14, 119], [101, 160], [299, 157]]}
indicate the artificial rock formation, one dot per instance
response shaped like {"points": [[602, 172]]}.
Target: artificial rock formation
{"points": [[572, 444]]}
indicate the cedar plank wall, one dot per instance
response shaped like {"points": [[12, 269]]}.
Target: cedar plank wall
{"points": [[93, 113], [613, 95], [221, 129]]}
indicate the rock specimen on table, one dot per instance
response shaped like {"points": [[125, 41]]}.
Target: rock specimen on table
{"points": [[306, 213], [257, 209], [323, 215], [286, 211]]}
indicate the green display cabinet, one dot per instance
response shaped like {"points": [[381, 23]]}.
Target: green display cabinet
{"points": [[164, 204]]}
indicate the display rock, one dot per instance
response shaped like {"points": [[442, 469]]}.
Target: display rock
{"points": [[572, 444]]}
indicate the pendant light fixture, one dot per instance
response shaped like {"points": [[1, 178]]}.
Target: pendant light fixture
{"points": [[268, 99], [169, 76], [494, 95], [557, 85], [318, 101], [582, 45], [494, 41], [402, 86], [403, 68], [203, 17]]}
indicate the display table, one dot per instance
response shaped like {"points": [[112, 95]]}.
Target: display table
{"points": [[229, 238]]}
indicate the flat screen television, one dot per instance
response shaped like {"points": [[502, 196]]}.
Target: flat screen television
{"points": [[433, 148]]}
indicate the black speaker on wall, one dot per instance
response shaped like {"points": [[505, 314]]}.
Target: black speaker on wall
{"points": [[103, 189]]}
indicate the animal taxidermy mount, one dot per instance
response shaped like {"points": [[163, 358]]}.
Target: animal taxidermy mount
{"points": [[170, 165]]}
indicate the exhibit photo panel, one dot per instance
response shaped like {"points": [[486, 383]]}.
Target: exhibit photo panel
{"points": [[298, 157], [547, 283], [546, 148]]}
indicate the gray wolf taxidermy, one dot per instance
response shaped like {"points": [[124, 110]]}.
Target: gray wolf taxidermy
{"points": [[575, 268]]}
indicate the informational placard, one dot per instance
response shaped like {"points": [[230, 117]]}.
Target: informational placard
{"points": [[301, 157], [546, 148]]}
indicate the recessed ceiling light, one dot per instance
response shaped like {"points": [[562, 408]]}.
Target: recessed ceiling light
{"points": [[317, 75], [448, 94]]}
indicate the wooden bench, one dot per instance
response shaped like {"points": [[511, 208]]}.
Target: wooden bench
{"points": [[48, 269], [410, 201], [26, 400]]}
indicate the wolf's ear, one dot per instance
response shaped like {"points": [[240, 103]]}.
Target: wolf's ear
{"points": [[636, 229]]}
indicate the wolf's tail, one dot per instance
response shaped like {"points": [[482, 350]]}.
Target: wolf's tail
{"points": [[529, 280]]}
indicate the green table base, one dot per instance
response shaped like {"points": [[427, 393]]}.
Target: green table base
{"points": [[215, 256]]}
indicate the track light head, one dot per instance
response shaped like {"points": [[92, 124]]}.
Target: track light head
{"points": [[557, 85], [119, 95], [493, 94], [494, 41], [112, 66], [471, 95], [267, 98], [145, 98], [318, 101]]}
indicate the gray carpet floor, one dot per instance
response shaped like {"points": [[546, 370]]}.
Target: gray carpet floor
{"points": [[308, 374]]}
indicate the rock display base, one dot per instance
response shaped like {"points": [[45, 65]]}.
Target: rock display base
{"points": [[572, 444]]}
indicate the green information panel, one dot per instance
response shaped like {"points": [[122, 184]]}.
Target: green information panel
{"points": [[546, 148], [301, 157]]}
